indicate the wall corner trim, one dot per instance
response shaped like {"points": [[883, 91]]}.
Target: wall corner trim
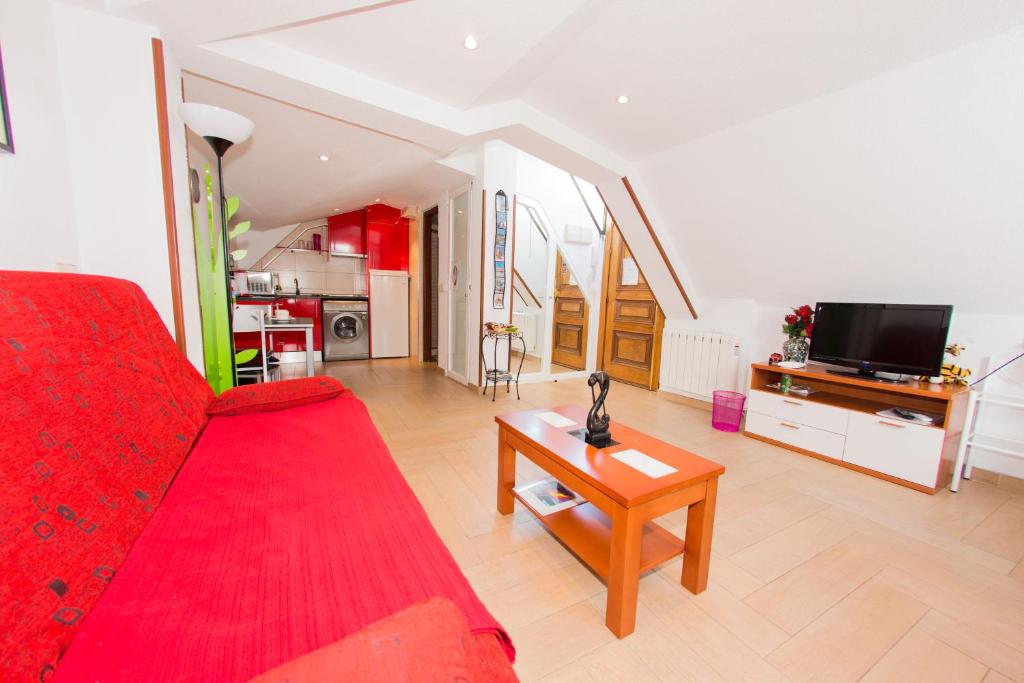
{"points": [[657, 243], [162, 124]]}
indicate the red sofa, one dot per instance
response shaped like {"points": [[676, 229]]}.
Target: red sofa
{"points": [[142, 540]]}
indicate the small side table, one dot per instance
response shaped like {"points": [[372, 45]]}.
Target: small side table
{"points": [[269, 324], [494, 375]]}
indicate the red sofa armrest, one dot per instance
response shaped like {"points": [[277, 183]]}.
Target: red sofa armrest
{"points": [[271, 396], [426, 643]]}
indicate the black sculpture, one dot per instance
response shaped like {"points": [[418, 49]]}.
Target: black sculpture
{"points": [[597, 434]]}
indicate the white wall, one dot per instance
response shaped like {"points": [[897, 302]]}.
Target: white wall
{"points": [[531, 262], [84, 190], [37, 220], [257, 242], [553, 189], [106, 76], [904, 188]]}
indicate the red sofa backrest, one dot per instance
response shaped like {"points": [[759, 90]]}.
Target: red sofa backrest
{"points": [[98, 409]]}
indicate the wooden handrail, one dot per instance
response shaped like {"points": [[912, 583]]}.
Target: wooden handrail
{"points": [[657, 243], [516, 274]]}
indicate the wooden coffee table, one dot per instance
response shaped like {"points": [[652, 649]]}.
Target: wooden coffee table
{"points": [[613, 533]]}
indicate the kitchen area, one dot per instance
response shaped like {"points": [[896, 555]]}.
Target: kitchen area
{"points": [[336, 289]]}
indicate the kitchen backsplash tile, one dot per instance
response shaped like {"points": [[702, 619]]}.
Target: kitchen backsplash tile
{"points": [[335, 275], [345, 283], [344, 264], [284, 262], [312, 282], [309, 262]]}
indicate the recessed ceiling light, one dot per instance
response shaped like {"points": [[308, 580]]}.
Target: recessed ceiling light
{"points": [[377, 199], [336, 210], [323, 157], [623, 99], [470, 43]]}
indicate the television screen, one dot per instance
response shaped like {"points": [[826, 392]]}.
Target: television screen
{"points": [[896, 338]]}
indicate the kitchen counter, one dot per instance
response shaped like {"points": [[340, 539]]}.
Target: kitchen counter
{"points": [[304, 295], [302, 323]]}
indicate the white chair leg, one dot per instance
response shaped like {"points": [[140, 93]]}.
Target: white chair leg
{"points": [[962, 467]]}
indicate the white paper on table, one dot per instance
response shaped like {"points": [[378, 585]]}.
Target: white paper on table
{"points": [[644, 463], [630, 272], [556, 420]]}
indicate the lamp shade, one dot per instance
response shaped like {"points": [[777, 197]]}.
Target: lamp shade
{"points": [[209, 121]]}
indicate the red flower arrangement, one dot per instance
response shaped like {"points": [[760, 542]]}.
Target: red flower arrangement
{"points": [[799, 323]]}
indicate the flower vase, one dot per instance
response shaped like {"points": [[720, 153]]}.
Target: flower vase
{"points": [[795, 349]]}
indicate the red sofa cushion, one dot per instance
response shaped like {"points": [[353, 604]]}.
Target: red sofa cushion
{"points": [[270, 396], [283, 532], [426, 643], [99, 409]]}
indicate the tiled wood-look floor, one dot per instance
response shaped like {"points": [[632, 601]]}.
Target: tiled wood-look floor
{"points": [[818, 573]]}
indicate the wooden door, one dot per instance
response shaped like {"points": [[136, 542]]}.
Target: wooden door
{"points": [[632, 321], [569, 330]]}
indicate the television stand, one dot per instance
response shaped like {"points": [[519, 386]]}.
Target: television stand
{"points": [[868, 375], [839, 422]]}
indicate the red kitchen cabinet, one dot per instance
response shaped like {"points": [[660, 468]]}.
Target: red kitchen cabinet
{"points": [[388, 245], [346, 233], [295, 340], [284, 340], [382, 213]]}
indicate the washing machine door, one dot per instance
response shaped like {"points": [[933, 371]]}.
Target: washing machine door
{"points": [[348, 328]]}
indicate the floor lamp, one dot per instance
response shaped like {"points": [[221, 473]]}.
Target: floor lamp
{"points": [[222, 129]]}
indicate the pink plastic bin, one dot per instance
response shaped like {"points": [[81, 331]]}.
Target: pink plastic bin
{"points": [[727, 411]]}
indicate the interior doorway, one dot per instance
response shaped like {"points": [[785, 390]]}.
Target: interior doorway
{"points": [[430, 284], [458, 288], [632, 322], [569, 322]]}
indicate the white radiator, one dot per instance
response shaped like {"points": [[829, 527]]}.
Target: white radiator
{"points": [[696, 363], [530, 324]]}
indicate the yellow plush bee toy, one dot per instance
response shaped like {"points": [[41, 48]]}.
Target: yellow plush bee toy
{"points": [[951, 372]]}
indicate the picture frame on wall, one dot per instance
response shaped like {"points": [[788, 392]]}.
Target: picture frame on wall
{"points": [[6, 139]]}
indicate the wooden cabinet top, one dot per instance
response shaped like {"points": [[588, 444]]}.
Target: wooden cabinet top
{"points": [[944, 392]]}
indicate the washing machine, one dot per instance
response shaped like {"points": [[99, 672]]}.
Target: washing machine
{"points": [[346, 329]]}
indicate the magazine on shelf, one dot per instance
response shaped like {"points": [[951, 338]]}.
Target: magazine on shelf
{"points": [[548, 496]]}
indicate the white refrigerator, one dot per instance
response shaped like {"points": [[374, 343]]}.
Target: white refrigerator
{"points": [[389, 313]]}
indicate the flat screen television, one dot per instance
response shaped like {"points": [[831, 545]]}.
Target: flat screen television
{"points": [[895, 338]]}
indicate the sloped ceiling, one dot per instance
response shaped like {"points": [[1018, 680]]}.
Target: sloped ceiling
{"points": [[689, 67], [279, 173], [547, 73]]}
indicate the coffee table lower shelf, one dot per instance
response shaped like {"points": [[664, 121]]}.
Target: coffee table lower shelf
{"points": [[587, 532]]}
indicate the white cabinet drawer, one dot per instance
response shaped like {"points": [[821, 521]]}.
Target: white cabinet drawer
{"points": [[794, 434], [893, 447], [793, 409]]}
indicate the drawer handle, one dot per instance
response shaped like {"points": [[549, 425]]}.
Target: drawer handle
{"points": [[892, 424], [792, 403], [786, 424]]}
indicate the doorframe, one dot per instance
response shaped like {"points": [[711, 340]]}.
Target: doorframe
{"points": [[452, 291], [545, 373], [429, 285], [605, 275], [604, 318]]}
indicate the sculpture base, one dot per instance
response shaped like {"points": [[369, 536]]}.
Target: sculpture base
{"points": [[583, 435]]}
